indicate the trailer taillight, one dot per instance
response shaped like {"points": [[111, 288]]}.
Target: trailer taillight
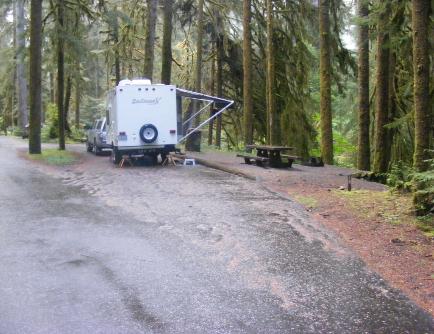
{"points": [[172, 132]]}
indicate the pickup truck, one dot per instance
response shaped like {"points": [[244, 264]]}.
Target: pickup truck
{"points": [[97, 137]]}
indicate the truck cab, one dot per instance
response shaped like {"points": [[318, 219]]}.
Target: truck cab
{"points": [[96, 140]]}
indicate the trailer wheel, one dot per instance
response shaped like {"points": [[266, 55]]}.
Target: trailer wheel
{"points": [[148, 133], [115, 156]]}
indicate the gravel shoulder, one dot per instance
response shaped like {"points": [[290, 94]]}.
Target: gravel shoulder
{"points": [[384, 236]]}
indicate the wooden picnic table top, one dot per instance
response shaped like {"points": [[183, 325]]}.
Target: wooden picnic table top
{"points": [[270, 147]]}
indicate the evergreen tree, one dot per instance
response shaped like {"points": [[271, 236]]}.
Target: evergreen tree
{"points": [[151, 20], [35, 76], [364, 153], [422, 109], [247, 73], [166, 51], [325, 83], [381, 162]]}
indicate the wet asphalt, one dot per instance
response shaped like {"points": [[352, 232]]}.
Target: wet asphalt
{"points": [[97, 249]]}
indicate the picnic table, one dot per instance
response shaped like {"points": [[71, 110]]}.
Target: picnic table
{"points": [[271, 154]]}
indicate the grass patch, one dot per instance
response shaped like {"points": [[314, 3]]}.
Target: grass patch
{"points": [[387, 207], [55, 157], [308, 202], [426, 224]]}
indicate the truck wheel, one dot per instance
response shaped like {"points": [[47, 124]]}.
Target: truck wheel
{"points": [[115, 156], [96, 149]]}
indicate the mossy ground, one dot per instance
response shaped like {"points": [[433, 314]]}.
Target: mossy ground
{"points": [[386, 206], [55, 157]]}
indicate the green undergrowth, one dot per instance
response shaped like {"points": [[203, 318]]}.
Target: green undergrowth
{"points": [[386, 206], [55, 157]]}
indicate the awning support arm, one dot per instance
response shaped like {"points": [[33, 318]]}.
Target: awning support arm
{"points": [[200, 111], [230, 103]]}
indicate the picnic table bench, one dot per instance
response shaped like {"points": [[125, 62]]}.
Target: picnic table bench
{"points": [[260, 161], [290, 159], [269, 154]]}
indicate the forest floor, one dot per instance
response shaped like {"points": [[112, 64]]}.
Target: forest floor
{"points": [[376, 223]]}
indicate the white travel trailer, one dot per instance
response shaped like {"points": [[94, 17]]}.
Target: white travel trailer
{"points": [[146, 119]]}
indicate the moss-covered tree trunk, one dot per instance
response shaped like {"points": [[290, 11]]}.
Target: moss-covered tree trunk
{"points": [[60, 72], [199, 54], [364, 153], [382, 95], [166, 52], [272, 131], [116, 49], [325, 83], [392, 114], [77, 101], [212, 93], [35, 76], [422, 107], [151, 20], [68, 92], [247, 74], [219, 75]]}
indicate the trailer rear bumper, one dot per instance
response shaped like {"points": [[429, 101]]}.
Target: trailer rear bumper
{"points": [[148, 149]]}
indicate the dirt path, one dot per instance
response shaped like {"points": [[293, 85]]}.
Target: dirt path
{"points": [[369, 220]]}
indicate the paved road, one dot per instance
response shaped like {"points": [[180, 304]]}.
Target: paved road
{"points": [[96, 249]]}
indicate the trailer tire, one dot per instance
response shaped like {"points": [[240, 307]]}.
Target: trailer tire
{"points": [[115, 156], [148, 133]]}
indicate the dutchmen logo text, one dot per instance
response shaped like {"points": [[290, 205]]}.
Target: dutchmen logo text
{"points": [[147, 101]]}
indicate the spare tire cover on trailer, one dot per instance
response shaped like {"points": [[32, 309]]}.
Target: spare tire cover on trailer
{"points": [[148, 133]]}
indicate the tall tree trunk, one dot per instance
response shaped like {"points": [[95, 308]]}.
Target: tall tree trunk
{"points": [[272, 135], [247, 74], [422, 109], [35, 76], [151, 20], [21, 73], [382, 95], [219, 75], [67, 101], [166, 52], [77, 101], [52, 95], [392, 113], [198, 67], [212, 93], [60, 72], [117, 58], [364, 151], [325, 83], [77, 77]]}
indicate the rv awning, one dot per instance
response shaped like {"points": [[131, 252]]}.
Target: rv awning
{"points": [[199, 96], [220, 104]]}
